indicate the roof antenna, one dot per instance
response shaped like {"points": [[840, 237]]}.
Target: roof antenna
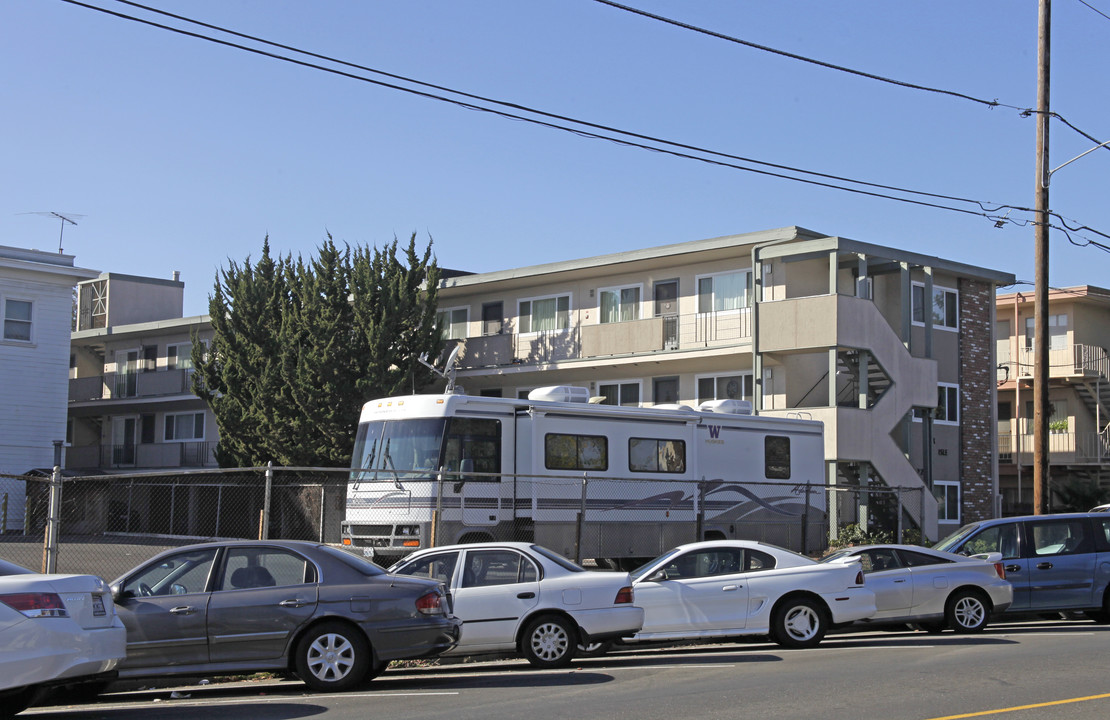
{"points": [[67, 218]]}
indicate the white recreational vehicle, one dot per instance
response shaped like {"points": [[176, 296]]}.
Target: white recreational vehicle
{"points": [[587, 480]]}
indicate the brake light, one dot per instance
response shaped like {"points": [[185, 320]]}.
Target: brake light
{"points": [[430, 604], [36, 604], [859, 578], [624, 596], [1000, 569]]}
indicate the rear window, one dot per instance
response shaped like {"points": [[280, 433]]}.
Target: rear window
{"points": [[359, 564], [556, 558], [8, 568]]}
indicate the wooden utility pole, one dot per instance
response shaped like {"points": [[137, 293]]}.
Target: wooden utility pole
{"points": [[1040, 304]]}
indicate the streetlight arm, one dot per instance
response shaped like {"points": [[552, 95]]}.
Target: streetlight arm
{"points": [[1069, 162]]}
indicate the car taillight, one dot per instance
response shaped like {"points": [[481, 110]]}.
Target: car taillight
{"points": [[35, 605], [1000, 569], [624, 596], [859, 578], [430, 604]]}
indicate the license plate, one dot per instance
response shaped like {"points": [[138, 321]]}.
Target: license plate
{"points": [[98, 606], [368, 552]]}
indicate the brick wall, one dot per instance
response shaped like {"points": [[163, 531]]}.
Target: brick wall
{"points": [[977, 411]]}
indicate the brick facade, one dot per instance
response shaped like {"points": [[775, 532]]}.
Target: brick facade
{"points": [[977, 405]]}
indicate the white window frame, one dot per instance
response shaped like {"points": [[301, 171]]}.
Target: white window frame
{"points": [[948, 487], [938, 324], [746, 299], [446, 315], [637, 305], [166, 422], [30, 323], [952, 403], [1057, 337], [176, 365], [717, 376], [531, 303], [620, 385]]}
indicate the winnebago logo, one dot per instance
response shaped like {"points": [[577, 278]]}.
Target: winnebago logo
{"points": [[715, 435]]}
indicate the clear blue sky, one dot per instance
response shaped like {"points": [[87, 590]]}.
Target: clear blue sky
{"points": [[181, 154]]}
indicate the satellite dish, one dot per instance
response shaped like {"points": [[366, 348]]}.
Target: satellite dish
{"points": [[449, 366]]}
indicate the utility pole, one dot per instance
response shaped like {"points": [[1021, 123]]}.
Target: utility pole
{"points": [[1040, 303]]}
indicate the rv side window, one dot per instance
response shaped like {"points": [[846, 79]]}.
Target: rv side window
{"points": [[650, 455], [477, 440], [776, 457], [575, 452]]}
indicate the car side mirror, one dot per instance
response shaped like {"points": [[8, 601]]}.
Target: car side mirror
{"points": [[657, 576], [117, 593]]}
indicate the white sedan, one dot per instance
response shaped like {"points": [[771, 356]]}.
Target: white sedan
{"points": [[523, 598], [54, 630], [728, 588], [930, 588]]}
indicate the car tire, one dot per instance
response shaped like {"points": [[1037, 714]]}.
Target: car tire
{"points": [[14, 702], [967, 612], [1102, 617], [549, 641], [799, 623], [333, 657]]}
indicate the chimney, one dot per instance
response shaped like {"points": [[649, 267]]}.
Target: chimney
{"points": [[176, 275]]}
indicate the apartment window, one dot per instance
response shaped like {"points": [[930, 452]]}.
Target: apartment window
{"points": [[1057, 418], [1057, 332], [652, 455], [184, 426], [575, 452], [620, 393], [664, 390], [948, 500], [546, 314], [453, 322], [725, 291], [945, 307], [948, 404], [179, 356], [725, 387], [17, 320], [620, 304]]}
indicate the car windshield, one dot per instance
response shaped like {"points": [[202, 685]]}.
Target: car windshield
{"points": [[355, 562], [556, 558], [955, 538], [650, 563]]}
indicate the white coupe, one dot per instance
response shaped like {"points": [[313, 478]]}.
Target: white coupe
{"points": [[729, 588], [523, 598], [54, 630]]}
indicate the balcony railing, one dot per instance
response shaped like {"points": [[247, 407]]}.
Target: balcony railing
{"points": [[1064, 448], [1088, 361], [672, 332], [148, 455], [131, 385]]}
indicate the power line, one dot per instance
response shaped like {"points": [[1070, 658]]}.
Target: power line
{"points": [[681, 150], [1025, 111], [1092, 7]]}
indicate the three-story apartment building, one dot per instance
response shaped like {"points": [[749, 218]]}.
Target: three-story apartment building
{"points": [[892, 350], [1078, 392]]}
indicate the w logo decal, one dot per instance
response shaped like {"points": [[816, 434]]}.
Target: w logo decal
{"points": [[714, 431]]}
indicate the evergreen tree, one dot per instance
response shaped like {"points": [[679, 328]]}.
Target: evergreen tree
{"points": [[298, 347]]}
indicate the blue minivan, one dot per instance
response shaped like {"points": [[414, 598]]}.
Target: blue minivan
{"points": [[1055, 562]]}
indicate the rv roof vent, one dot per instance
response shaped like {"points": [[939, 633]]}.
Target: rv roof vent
{"points": [[672, 406], [731, 407], [561, 393]]}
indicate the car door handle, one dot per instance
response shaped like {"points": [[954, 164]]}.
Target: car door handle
{"points": [[183, 610], [1044, 566], [731, 588], [295, 603], [1013, 568], [526, 595], [900, 580]]}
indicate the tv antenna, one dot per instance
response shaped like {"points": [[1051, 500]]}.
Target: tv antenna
{"points": [[70, 218], [449, 367]]}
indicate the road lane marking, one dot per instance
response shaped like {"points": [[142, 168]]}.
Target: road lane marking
{"points": [[1017, 708]]}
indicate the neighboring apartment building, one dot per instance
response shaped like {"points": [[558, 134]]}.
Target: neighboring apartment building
{"points": [[131, 405], [36, 309], [892, 350], [1078, 392]]}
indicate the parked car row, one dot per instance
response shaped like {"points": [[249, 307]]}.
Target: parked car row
{"points": [[336, 620]]}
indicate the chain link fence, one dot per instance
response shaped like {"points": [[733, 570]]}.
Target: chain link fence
{"points": [[106, 525]]}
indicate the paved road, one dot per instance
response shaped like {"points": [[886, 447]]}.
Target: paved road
{"points": [[1013, 671]]}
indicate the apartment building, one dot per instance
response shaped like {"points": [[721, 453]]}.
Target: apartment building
{"points": [[131, 405], [36, 310], [1078, 392], [891, 349]]}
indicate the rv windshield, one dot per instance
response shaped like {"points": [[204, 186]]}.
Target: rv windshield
{"points": [[389, 450]]}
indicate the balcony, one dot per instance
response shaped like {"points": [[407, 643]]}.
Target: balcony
{"points": [[673, 332], [1068, 362], [115, 386], [1064, 448], [151, 455]]}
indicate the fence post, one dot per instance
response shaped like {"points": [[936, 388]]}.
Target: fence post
{"points": [[581, 520], [264, 533], [4, 515], [805, 521], [54, 514], [899, 539], [439, 509], [699, 515]]}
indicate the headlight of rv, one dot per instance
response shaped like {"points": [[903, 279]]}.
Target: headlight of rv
{"points": [[407, 530]]}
